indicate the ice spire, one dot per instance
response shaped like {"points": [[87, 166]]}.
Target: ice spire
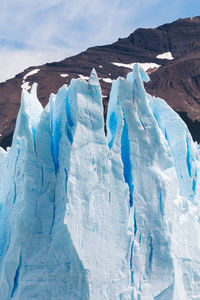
{"points": [[89, 216]]}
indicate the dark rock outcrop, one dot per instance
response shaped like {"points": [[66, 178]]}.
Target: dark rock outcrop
{"points": [[177, 80]]}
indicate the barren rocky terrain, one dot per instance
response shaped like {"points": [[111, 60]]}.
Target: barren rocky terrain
{"points": [[171, 54]]}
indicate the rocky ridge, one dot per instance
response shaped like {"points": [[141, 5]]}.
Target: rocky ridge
{"points": [[170, 54]]}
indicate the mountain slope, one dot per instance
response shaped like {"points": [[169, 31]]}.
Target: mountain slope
{"points": [[176, 80]]}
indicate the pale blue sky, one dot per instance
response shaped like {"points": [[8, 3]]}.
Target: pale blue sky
{"points": [[38, 31]]}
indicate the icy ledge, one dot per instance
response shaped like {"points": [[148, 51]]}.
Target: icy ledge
{"points": [[84, 216]]}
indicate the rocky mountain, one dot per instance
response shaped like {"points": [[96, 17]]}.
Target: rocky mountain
{"points": [[170, 53]]}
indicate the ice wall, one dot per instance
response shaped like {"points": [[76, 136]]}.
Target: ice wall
{"points": [[89, 216]]}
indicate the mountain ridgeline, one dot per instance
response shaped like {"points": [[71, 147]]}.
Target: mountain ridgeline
{"points": [[170, 54]]}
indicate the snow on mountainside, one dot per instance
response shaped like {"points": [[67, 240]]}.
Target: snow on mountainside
{"points": [[172, 51], [89, 216]]}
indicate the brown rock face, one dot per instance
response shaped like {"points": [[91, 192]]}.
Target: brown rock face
{"points": [[177, 81]]}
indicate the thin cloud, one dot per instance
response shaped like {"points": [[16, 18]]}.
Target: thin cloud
{"points": [[13, 62]]}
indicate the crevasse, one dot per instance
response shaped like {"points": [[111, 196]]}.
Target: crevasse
{"points": [[89, 216]]}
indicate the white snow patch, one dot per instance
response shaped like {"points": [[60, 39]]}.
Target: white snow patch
{"points": [[145, 66], [166, 55], [109, 80], [31, 73], [83, 77], [130, 66], [64, 75], [26, 86]]}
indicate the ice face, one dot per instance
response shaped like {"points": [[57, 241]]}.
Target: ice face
{"points": [[89, 216]]}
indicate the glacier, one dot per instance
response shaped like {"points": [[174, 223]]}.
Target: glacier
{"points": [[84, 215]]}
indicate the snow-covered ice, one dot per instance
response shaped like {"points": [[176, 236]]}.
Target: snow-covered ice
{"points": [[145, 66], [89, 216], [166, 55], [64, 75], [82, 77], [26, 86], [108, 80], [35, 71]]}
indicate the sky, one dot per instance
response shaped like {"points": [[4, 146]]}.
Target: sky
{"points": [[35, 32]]}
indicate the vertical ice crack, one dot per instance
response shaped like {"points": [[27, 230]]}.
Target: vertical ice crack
{"points": [[191, 166], [53, 215], [66, 178], [188, 158], [127, 166], [16, 279], [15, 171], [135, 223], [194, 183], [131, 264], [113, 127], [55, 133], [33, 131], [15, 192], [150, 253], [70, 122], [68, 112]]}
